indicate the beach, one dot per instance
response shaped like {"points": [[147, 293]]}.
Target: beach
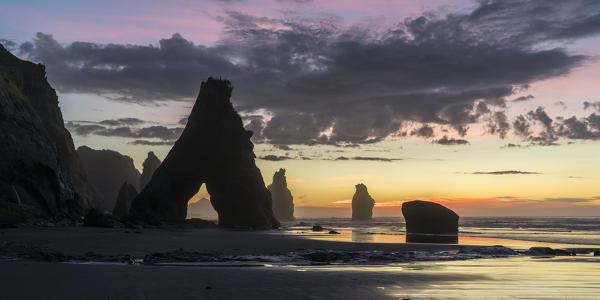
{"points": [[108, 263]]}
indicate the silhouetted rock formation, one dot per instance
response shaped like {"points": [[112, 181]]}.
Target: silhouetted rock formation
{"points": [[283, 202], [150, 165], [40, 172], [215, 149], [126, 195], [202, 209], [362, 204], [106, 171], [426, 218]]}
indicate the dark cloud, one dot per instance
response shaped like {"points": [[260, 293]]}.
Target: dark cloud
{"points": [[275, 157], [84, 129], [122, 121], [152, 143], [165, 134], [509, 172], [450, 141], [183, 121], [369, 158], [593, 105], [498, 124], [325, 83], [424, 131], [523, 98]]}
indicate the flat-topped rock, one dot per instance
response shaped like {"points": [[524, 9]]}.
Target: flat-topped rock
{"points": [[424, 217]]}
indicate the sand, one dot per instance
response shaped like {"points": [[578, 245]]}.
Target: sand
{"points": [[514, 276]]}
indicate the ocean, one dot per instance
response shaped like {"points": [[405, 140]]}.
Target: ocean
{"points": [[516, 232]]}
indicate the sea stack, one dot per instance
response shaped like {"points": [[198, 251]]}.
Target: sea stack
{"points": [[214, 149], [150, 165], [40, 172], [126, 195], [106, 171], [426, 219], [362, 204], [283, 202]]}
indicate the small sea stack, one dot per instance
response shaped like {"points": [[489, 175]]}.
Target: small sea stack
{"points": [[283, 201], [362, 204], [150, 165], [429, 222]]}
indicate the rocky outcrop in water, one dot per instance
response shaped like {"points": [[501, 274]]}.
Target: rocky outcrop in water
{"points": [[424, 217], [40, 172], [150, 165], [362, 204], [106, 171], [126, 195], [214, 149], [283, 202]]}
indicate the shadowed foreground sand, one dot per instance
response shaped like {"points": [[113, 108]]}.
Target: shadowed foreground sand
{"points": [[507, 277]]}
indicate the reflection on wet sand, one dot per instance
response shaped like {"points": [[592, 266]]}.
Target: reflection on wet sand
{"points": [[432, 238], [361, 237]]}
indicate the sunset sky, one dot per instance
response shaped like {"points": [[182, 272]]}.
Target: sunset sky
{"points": [[488, 107]]}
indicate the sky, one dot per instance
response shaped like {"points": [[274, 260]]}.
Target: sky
{"points": [[491, 108]]}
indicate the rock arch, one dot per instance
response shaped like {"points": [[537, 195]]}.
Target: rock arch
{"points": [[214, 149]]}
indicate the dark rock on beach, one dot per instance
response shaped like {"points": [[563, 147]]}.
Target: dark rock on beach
{"points": [[40, 172], [150, 165], [283, 201], [362, 204], [424, 217], [126, 195], [317, 228], [540, 251], [106, 171], [214, 149]]}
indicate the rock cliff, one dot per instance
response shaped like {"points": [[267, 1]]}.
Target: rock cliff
{"points": [[40, 172], [106, 171], [214, 149], [126, 195]]}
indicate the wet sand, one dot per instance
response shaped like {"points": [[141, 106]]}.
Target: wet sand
{"points": [[510, 277]]}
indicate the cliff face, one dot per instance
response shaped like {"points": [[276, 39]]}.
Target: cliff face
{"points": [[215, 149], [106, 171], [40, 172], [362, 204], [150, 165], [283, 202]]}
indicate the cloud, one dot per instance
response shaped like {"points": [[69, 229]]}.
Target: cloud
{"points": [[368, 158], [152, 143], [272, 157], [165, 135], [450, 141], [424, 131], [122, 121], [593, 105], [508, 172], [524, 98], [327, 83]]}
